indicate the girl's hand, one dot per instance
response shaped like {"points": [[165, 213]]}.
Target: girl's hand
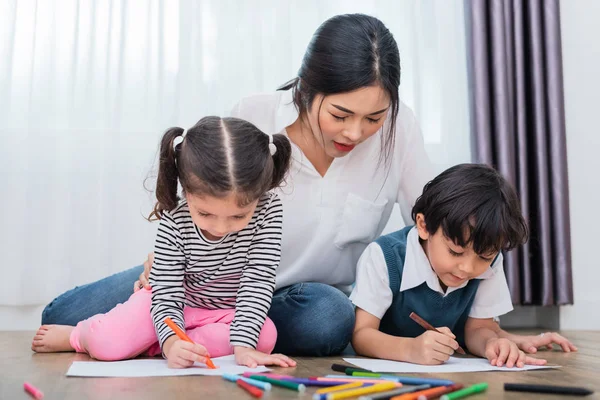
{"points": [[253, 358], [500, 351], [433, 348], [182, 354], [142, 282], [530, 344]]}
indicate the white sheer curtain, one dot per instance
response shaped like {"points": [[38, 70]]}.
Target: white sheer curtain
{"points": [[87, 88]]}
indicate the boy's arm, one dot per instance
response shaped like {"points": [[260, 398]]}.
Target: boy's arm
{"points": [[430, 348], [368, 341], [478, 332], [483, 339]]}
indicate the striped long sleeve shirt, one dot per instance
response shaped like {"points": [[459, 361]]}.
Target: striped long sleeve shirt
{"points": [[237, 271]]}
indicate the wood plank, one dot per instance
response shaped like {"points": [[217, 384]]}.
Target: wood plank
{"points": [[47, 371]]}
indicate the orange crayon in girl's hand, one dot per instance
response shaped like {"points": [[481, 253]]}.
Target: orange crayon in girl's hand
{"points": [[181, 335]]}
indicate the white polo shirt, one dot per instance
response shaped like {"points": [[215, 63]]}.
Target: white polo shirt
{"points": [[372, 292], [329, 221]]}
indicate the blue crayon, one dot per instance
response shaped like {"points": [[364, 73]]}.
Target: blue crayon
{"points": [[409, 380], [259, 384]]}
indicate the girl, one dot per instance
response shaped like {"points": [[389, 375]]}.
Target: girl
{"points": [[357, 152], [448, 269], [217, 250]]}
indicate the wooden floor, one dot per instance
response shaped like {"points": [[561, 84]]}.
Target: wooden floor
{"points": [[47, 372]]}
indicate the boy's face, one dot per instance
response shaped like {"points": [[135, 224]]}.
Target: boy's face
{"points": [[453, 264]]}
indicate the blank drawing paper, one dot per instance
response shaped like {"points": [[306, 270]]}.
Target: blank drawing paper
{"points": [[155, 367], [454, 364]]}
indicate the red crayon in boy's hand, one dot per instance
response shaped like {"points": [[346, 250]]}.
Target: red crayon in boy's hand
{"points": [[181, 334]]}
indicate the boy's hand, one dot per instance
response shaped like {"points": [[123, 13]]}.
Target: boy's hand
{"points": [[253, 358], [530, 344], [433, 348], [500, 351], [182, 354]]}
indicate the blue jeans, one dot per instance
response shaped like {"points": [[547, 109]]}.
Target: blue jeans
{"points": [[312, 319]]}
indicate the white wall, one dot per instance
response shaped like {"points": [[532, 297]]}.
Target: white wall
{"points": [[581, 61], [89, 109]]}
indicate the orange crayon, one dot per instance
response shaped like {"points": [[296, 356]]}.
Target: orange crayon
{"points": [[181, 334]]}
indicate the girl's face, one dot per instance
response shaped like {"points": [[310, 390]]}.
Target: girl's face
{"points": [[453, 264], [347, 119], [217, 217]]}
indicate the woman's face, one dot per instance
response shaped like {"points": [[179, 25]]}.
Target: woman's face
{"points": [[347, 119]]}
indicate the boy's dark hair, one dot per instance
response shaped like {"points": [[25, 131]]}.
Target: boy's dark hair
{"points": [[219, 156], [348, 52], [475, 205]]}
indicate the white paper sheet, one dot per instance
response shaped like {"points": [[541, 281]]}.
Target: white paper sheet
{"points": [[454, 364], [155, 367]]}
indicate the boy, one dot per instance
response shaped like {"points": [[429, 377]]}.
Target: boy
{"points": [[448, 269]]}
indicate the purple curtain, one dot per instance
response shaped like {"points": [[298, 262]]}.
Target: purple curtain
{"points": [[518, 126]]}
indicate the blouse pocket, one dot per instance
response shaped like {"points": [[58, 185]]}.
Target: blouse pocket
{"points": [[359, 221]]}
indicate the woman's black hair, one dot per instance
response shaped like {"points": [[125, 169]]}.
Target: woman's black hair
{"points": [[473, 204], [346, 53], [219, 156]]}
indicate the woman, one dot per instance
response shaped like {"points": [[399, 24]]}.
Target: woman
{"points": [[357, 150]]}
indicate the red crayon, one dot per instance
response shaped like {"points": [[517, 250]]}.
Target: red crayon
{"points": [[254, 391]]}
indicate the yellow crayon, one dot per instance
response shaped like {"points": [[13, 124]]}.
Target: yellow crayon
{"points": [[380, 387], [339, 387]]}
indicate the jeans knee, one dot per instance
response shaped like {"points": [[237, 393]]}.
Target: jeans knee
{"points": [[337, 327], [313, 319], [52, 313], [47, 316]]}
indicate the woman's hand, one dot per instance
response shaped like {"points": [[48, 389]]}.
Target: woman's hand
{"points": [[530, 344], [143, 283], [253, 358]]}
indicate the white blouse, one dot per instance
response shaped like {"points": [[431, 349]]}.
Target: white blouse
{"points": [[329, 221]]}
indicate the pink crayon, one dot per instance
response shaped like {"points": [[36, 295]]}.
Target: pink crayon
{"points": [[33, 391]]}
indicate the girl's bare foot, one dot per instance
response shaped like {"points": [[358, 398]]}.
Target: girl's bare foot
{"points": [[52, 338]]}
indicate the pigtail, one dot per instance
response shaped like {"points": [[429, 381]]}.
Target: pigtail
{"points": [[281, 159], [166, 182]]}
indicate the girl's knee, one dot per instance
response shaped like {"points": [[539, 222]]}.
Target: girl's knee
{"points": [[214, 337], [267, 338], [102, 348]]}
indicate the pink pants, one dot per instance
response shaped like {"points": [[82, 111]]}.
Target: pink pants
{"points": [[127, 331]]}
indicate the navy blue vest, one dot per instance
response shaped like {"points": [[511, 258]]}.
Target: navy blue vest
{"points": [[439, 310]]}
